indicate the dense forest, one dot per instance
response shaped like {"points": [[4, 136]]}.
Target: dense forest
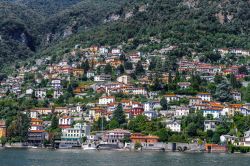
{"points": [[37, 28]]}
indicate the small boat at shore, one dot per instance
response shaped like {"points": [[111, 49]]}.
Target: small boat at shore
{"points": [[89, 146]]}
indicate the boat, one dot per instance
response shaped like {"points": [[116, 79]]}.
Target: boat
{"points": [[89, 146], [108, 146], [69, 145]]}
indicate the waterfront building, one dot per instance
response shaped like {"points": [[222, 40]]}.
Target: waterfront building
{"points": [[76, 133], [115, 136], [139, 138]]}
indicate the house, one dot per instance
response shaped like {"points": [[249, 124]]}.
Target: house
{"points": [[90, 74], [35, 121], [76, 133], [57, 93], [103, 50], [106, 100], [61, 110], [43, 111], [205, 96], [115, 136], [36, 135], [102, 78], [40, 93], [184, 85], [29, 92], [125, 79], [148, 106], [181, 111], [2, 129], [136, 91], [116, 51], [139, 138], [233, 108], [215, 113], [56, 83], [171, 97], [136, 111], [246, 139], [150, 114], [78, 72], [228, 138], [244, 111], [210, 125], [174, 125], [96, 113], [65, 122], [236, 95], [33, 114]]}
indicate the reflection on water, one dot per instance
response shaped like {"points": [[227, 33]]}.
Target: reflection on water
{"points": [[43, 157]]}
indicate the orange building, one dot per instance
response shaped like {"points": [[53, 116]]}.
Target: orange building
{"points": [[2, 128], [215, 148], [138, 137], [78, 72], [35, 121]]}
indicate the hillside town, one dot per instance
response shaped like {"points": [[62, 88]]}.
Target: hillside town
{"points": [[104, 98]]}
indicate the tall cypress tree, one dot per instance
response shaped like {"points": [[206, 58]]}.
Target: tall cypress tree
{"points": [[119, 115]]}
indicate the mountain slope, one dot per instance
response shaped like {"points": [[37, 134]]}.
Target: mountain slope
{"points": [[198, 24], [24, 31], [45, 7], [18, 30]]}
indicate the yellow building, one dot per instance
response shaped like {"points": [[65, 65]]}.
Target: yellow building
{"points": [[2, 128]]}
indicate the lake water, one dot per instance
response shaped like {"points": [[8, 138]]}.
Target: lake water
{"points": [[42, 157]]}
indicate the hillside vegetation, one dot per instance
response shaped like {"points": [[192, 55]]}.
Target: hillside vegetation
{"points": [[146, 25]]}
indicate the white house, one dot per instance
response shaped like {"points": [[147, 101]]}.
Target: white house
{"points": [[181, 111], [150, 114], [125, 79], [236, 96], [184, 85], [246, 139], [174, 126], [65, 121], [216, 113], [76, 133], [210, 125], [103, 50], [205, 96], [29, 91], [106, 100], [102, 78], [228, 138], [57, 93], [172, 97], [90, 74], [116, 51], [136, 91], [33, 114], [56, 83], [40, 93]]}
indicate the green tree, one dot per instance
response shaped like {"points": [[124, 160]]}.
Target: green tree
{"points": [[119, 115], [54, 123], [139, 70], [163, 134], [113, 124], [246, 93], [164, 103], [223, 92], [234, 82], [108, 69], [138, 124]]}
